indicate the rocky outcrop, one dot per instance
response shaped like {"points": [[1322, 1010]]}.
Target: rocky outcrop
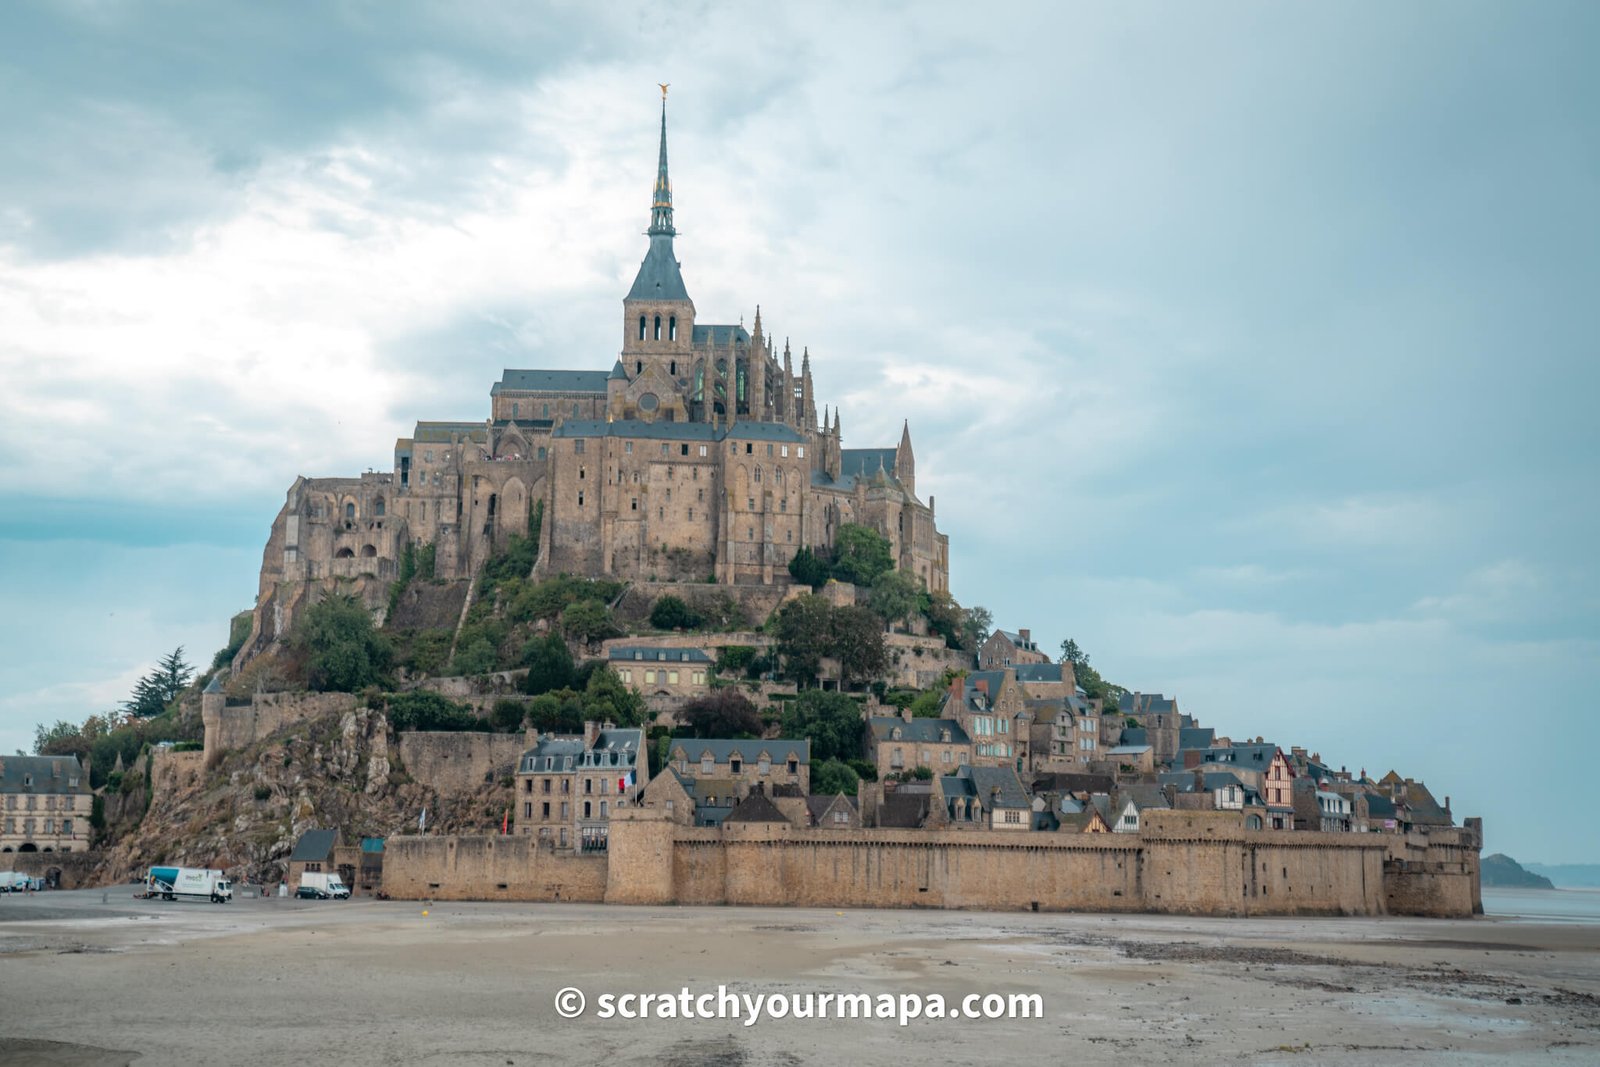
{"points": [[245, 815]]}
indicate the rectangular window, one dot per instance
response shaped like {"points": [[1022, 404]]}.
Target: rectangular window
{"points": [[800, 451], [702, 452], [672, 677], [565, 810], [749, 448], [627, 448], [769, 448], [663, 448], [649, 677], [785, 451], [683, 450], [577, 446]]}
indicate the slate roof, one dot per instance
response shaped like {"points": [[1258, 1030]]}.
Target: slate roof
{"points": [[755, 808], [986, 780], [439, 433], [1128, 750], [819, 804], [917, 731], [854, 462], [1196, 737], [1038, 672], [1379, 806], [1251, 757], [903, 811], [748, 749], [1144, 703], [720, 335], [1142, 796], [50, 774], [550, 381], [1073, 782], [1135, 735], [632, 653], [680, 431], [970, 693], [1210, 780], [659, 276], [314, 846], [614, 750]]}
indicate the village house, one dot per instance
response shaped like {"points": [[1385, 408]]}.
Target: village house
{"points": [[662, 672], [991, 708], [838, 812], [992, 798], [900, 743], [731, 769], [47, 803], [568, 786], [1004, 649], [314, 852]]}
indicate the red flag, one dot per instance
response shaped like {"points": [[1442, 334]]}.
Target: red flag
{"points": [[505, 823]]}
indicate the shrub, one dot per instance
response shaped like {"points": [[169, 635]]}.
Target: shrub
{"points": [[549, 665], [671, 613], [263, 792], [424, 710], [508, 715], [345, 653]]}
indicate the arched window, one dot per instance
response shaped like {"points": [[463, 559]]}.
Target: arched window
{"points": [[672, 368], [699, 382], [641, 327], [349, 512], [672, 329], [658, 329], [377, 507]]}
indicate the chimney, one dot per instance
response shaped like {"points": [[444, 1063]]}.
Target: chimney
{"points": [[591, 732], [905, 713], [1026, 636], [983, 686]]}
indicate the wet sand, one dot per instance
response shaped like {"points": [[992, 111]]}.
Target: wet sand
{"points": [[97, 978]]}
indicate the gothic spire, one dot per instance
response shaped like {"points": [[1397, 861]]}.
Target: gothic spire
{"points": [[661, 201]]}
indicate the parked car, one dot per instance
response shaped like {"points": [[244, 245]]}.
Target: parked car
{"points": [[309, 892]]}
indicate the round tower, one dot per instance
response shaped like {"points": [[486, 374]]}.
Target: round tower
{"points": [[211, 704]]}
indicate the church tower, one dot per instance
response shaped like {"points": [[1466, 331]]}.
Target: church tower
{"points": [[657, 314]]}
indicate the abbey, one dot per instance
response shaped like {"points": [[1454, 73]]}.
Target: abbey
{"points": [[700, 454]]}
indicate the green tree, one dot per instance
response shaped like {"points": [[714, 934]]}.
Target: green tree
{"points": [[833, 776], [975, 624], [173, 674], [894, 596], [944, 617], [803, 636], [344, 651], [720, 713], [671, 613], [424, 709], [1071, 653], [607, 699], [832, 721], [808, 568], [588, 621], [549, 664], [62, 739], [477, 657], [556, 712], [927, 704], [856, 641], [860, 554], [508, 715]]}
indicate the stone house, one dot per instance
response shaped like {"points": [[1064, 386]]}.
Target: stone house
{"points": [[45, 804], [838, 812], [664, 672], [899, 743], [1132, 802], [728, 768], [991, 708], [992, 798], [567, 786], [1004, 649]]}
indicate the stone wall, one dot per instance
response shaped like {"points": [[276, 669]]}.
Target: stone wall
{"points": [[1184, 862], [170, 770], [489, 868], [239, 725], [74, 869], [460, 762]]}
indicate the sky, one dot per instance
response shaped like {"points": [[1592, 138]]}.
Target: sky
{"points": [[1249, 345]]}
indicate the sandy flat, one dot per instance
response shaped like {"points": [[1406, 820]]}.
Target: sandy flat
{"points": [[97, 978]]}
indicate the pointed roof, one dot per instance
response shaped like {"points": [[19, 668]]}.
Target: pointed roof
{"points": [[659, 277], [617, 372]]}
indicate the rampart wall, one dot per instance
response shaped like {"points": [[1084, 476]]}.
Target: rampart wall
{"points": [[1200, 863], [492, 867]]}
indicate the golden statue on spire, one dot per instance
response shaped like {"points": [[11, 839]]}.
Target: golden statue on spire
{"points": [[663, 89]]}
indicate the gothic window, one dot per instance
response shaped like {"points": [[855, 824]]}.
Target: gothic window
{"points": [[546, 415], [641, 327], [541, 451], [741, 383], [514, 410], [377, 507], [722, 368], [672, 330], [349, 512], [658, 329]]}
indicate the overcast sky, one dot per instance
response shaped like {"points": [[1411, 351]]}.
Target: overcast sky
{"points": [[1250, 345]]}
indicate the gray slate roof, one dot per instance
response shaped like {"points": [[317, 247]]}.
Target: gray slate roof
{"points": [[1251, 757], [1135, 735], [917, 731], [659, 276], [1196, 737], [614, 750], [1037, 672], [854, 462], [748, 749], [680, 431], [983, 782], [550, 381], [49, 774], [756, 808], [314, 846], [720, 335], [631, 653]]}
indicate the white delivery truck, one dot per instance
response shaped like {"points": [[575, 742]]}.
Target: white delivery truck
{"points": [[321, 885], [189, 883], [12, 882]]}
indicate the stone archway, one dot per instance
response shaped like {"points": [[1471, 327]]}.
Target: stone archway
{"points": [[27, 846]]}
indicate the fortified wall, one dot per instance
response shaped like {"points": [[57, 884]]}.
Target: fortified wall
{"points": [[234, 724], [1197, 863], [462, 761]]}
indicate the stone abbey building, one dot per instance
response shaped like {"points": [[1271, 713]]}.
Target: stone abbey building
{"points": [[700, 453]]}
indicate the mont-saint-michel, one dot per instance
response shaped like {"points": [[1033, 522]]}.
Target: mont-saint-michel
{"points": [[925, 536], [653, 635]]}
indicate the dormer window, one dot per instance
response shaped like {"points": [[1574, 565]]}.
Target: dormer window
{"points": [[896, 734], [707, 764]]}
